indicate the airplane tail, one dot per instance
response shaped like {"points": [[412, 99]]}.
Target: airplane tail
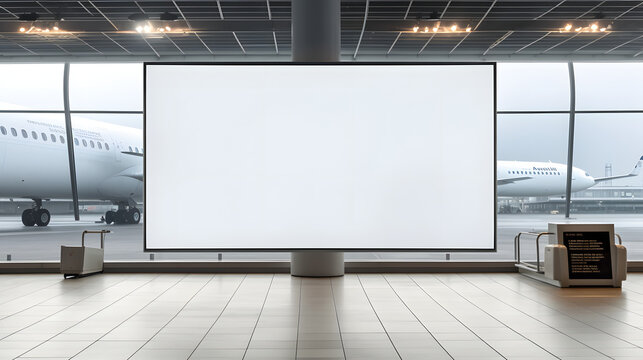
{"points": [[634, 172]]}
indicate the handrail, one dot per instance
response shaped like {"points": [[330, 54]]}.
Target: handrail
{"points": [[538, 235], [620, 241], [102, 236]]}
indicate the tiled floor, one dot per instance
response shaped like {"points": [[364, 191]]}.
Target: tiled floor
{"points": [[443, 316]]}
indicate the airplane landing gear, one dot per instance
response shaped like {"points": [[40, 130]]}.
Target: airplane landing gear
{"points": [[125, 214], [36, 215]]}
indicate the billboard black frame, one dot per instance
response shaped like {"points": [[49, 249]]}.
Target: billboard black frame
{"points": [[284, 63]]}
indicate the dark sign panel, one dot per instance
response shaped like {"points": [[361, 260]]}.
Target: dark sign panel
{"points": [[588, 254]]}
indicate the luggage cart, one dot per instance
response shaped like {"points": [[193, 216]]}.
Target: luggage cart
{"points": [[77, 261], [577, 254]]}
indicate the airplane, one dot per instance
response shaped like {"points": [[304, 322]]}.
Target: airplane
{"points": [[522, 178], [34, 165], [109, 166]]}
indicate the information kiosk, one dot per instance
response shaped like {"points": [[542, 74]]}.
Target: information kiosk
{"points": [[578, 255]]}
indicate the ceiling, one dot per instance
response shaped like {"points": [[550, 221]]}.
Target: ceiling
{"points": [[100, 29]]}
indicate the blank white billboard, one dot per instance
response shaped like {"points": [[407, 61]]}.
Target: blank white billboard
{"points": [[351, 157]]}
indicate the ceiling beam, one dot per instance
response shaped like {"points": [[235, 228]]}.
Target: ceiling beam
{"points": [[119, 45], [406, 15], [476, 27], [361, 35], [433, 34]]}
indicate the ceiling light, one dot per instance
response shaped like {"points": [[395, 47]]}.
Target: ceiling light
{"points": [[22, 29], [594, 27], [568, 27], [56, 28], [435, 29], [416, 28], [139, 28], [603, 29], [146, 28], [468, 29], [426, 29], [168, 28], [579, 29], [454, 27], [161, 29]]}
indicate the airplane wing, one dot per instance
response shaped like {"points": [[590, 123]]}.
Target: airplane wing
{"points": [[131, 153], [635, 172], [512, 180]]}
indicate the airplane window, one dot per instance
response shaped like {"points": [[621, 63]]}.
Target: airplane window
{"points": [[14, 132], [91, 143], [44, 136], [4, 130], [62, 139], [34, 135], [76, 142], [530, 173], [84, 143], [24, 133], [136, 149], [100, 146], [130, 149], [53, 138], [106, 146]]}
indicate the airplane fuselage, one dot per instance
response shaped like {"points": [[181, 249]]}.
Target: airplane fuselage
{"points": [[538, 178], [34, 162]]}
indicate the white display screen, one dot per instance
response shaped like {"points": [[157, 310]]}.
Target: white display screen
{"points": [[347, 157]]}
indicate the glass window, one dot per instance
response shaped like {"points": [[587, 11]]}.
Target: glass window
{"points": [[610, 145], [62, 139], [609, 86], [533, 86], [130, 149], [53, 137], [91, 143], [100, 146], [84, 143], [522, 208], [106, 86], [31, 86], [4, 130], [44, 136], [14, 132], [106, 146], [24, 133], [34, 135], [136, 149], [76, 142]]}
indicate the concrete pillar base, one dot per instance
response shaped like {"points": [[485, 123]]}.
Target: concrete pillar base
{"points": [[317, 263]]}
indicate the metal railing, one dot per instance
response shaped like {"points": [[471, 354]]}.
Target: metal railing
{"points": [[538, 235], [102, 236]]}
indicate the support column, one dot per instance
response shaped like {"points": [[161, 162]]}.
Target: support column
{"points": [[316, 37], [70, 142]]}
